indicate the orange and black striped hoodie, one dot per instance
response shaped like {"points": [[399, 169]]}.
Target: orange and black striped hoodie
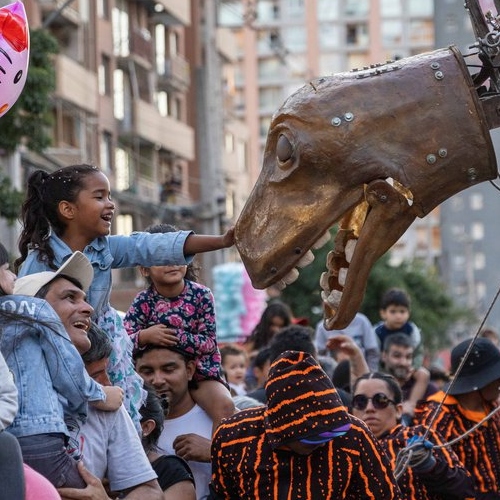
{"points": [[448, 479], [251, 459], [479, 452]]}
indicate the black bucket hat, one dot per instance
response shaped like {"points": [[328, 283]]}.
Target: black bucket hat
{"points": [[481, 367]]}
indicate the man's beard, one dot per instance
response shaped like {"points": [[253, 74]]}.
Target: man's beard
{"points": [[400, 372]]}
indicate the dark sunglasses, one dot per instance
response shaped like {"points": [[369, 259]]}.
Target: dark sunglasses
{"points": [[324, 437], [379, 401]]}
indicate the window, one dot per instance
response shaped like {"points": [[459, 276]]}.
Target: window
{"points": [[270, 68], [328, 36], [124, 224], [104, 75], [270, 98], [392, 32], [477, 231], [424, 8], [123, 175], [103, 9], [230, 13], [295, 8], [391, 8], [119, 94], [476, 201], [173, 43], [106, 151], [328, 9], [356, 8], [229, 142], [479, 260], [295, 38], [357, 34], [120, 27], [162, 103], [160, 48]]}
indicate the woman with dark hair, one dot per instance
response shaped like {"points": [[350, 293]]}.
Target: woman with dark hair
{"points": [[276, 316], [432, 473], [174, 474]]}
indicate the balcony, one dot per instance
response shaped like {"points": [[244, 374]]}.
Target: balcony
{"points": [[148, 190], [174, 12], [76, 84], [141, 44], [64, 16], [162, 131], [174, 74]]}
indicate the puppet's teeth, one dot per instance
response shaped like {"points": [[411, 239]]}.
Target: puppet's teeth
{"points": [[323, 282], [342, 275], [291, 276], [306, 260], [349, 250], [322, 240]]}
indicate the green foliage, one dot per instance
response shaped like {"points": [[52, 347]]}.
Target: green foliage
{"points": [[30, 116], [432, 309], [10, 200]]}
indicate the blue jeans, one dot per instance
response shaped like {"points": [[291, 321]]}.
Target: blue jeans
{"points": [[46, 453], [11, 468]]}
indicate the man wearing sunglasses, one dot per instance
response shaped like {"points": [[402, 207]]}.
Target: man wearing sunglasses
{"points": [[302, 445], [431, 473]]}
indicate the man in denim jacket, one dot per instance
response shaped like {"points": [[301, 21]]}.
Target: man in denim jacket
{"points": [[69, 302]]}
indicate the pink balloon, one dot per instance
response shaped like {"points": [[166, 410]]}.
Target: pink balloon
{"points": [[14, 54]]}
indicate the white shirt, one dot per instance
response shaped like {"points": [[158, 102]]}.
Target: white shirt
{"points": [[195, 421]]}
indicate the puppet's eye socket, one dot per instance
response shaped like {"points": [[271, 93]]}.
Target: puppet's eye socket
{"points": [[284, 149]]}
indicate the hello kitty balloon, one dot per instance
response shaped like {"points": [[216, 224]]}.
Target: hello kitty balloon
{"points": [[14, 54]]}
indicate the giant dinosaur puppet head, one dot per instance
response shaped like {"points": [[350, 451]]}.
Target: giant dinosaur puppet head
{"points": [[371, 149]]}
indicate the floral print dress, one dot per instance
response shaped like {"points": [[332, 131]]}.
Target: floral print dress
{"points": [[191, 315]]}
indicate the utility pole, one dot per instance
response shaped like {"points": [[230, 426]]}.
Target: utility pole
{"points": [[210, 129]]}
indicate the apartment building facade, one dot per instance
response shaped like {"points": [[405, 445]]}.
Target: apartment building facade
{"points": [[129, 97]]}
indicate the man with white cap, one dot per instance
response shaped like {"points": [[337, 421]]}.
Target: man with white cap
{"points": [[64, 291], [471, 396], [51, 382]]}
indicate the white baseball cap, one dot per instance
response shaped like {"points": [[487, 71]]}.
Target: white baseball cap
{"points": [[77, 267]]}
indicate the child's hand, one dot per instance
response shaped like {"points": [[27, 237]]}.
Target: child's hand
{"points": [[228, 238], [158, 335], [114, 399]]}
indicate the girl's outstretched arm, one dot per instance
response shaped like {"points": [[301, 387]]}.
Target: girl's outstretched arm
{"points": [[199, 243]]}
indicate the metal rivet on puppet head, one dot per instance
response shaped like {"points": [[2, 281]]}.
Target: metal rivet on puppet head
{"points": [[273, 270], [438, 75], [472, 174], [443, 152], [348, 117], [336, 121], [431, 159], [435, 65]]}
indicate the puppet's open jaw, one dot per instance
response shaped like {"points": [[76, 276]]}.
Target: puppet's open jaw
{"points": [[387, 208]]}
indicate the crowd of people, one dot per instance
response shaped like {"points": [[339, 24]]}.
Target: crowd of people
{"points": [[152, 407]]}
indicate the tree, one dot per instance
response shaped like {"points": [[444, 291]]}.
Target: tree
{"points": [[30, 116], [433, 310], [10, 200]]}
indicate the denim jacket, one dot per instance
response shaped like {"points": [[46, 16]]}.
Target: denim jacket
{"points": [[8, 395], [48, 371], [111, 252]]}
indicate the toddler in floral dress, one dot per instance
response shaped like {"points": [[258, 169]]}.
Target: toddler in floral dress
{"points": [[175, 310]]}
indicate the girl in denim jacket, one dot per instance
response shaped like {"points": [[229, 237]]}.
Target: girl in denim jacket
{"points": [[71, 209]]}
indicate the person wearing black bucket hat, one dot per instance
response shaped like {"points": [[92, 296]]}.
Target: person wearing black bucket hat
{"points": [[302, 445], [471, 396]]}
